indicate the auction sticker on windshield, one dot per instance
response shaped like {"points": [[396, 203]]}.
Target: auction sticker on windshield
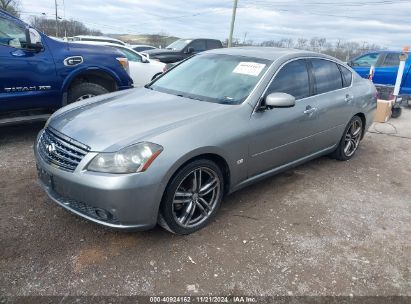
{"points": [[249, 68]]}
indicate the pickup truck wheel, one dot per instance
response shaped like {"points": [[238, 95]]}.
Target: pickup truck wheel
{"points": [[85, 90]]}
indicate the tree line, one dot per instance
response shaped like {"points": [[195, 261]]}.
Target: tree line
{"points": [[341, 49]]}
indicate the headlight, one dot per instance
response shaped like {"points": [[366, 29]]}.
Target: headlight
{"points": [[132, 159]]}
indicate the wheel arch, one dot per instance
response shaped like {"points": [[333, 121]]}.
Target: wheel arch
{"points": [[103, 77], [364, 120], [219, 158]]}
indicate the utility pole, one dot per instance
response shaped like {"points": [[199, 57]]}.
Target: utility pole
{"points": [[230, 38], [57, 22]]}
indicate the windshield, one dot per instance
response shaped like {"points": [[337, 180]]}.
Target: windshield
{"points": [[178, 45], [214, 78]]}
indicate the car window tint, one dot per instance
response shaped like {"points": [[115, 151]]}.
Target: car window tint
{"points": [[347, 76], [366, 60], [11, 34], [327, 75], [213, 44], [292, 79], [392, 59], [130, 55], [198, 45]]}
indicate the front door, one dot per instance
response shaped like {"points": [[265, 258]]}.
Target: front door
{"points": [[283, 135], [27, 78]]}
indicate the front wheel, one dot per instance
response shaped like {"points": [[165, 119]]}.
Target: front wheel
{"points": [[350, 141], [192, 197], [85, 90]]}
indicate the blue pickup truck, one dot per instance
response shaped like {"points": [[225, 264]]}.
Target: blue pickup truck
{"points": [[386, 67], [39, 74]]}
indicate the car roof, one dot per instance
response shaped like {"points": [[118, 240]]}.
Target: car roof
{"points": [[268, 53], [97, 37], [104, 43]]}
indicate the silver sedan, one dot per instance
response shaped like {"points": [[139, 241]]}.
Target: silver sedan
{"points": [[221, 120]]}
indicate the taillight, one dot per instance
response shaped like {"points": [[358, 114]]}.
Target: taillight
{"points": [[124, 63]]}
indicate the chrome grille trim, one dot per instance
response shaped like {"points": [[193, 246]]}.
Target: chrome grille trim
{"points": [[64, 154]]}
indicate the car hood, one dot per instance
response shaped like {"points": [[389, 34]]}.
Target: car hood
{"points": [[113, 121]]}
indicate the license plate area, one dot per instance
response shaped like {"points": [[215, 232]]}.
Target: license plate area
{"points": [[45, 178]]}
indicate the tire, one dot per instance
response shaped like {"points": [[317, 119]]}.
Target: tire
{"points": [[396, 112], [350, 134], [192, 209], [85, 90]]}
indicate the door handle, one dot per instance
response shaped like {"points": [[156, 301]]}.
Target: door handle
{"points": [[348, 98], [309, 110]]}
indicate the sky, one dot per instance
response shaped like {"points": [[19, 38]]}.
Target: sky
{"points": [[383, 22]]}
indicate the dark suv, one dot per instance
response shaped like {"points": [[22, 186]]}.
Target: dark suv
{"points": [[183, 48]]}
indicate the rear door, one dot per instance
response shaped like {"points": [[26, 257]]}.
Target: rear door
{"points": [[386, 72], [283, 135], [27, 78], [334, 100]]}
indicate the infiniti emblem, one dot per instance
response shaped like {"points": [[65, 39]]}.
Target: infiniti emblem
{"points": [[51, 148]]}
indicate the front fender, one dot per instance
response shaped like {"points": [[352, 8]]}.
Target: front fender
{"points": [[194, 154], [85, 69]]}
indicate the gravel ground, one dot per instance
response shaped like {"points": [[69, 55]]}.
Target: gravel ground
{"points": [[324, 228]]}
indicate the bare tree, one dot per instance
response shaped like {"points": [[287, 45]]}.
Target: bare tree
{"points": [[11, 6], [302, 43], [70, 27]]}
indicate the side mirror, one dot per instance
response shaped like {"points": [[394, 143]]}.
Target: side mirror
{"points": [[144, 59], [190, 50], [280, 100], [33, 40]]}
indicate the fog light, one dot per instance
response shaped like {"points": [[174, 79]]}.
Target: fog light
{"points": [[103, 214]]}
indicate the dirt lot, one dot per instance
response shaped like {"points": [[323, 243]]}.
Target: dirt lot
{"points": [[325, 228]]}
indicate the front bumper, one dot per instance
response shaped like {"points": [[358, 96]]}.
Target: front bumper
{"points": [[121, 201]]}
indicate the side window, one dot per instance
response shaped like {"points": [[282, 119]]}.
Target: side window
{"points": [[129, 55], [366, 60], [346, 76], [327, 75], [292, 79], [213, 44], [392, 59], [11, 34], [198, 45]]}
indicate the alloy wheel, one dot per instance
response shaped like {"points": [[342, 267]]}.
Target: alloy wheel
{"points": [[85, 96], [352, 138], [196, 197]]}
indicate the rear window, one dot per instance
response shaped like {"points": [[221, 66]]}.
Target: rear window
{"points": [[327, 75], [346, 76], [198, 45], [392, 59], [213, 44]]}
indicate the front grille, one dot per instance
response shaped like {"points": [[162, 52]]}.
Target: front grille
{"points": [[58, 151]]}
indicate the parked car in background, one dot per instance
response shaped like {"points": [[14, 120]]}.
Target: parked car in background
{"points": [[142, 47], [386, 68], [213, 124], [97, 39], [142, 69], [39, 74], [184, 48]]}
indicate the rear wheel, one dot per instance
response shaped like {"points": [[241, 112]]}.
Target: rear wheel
{"points": [[85, 90], [350, 140], [192, 197]]}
